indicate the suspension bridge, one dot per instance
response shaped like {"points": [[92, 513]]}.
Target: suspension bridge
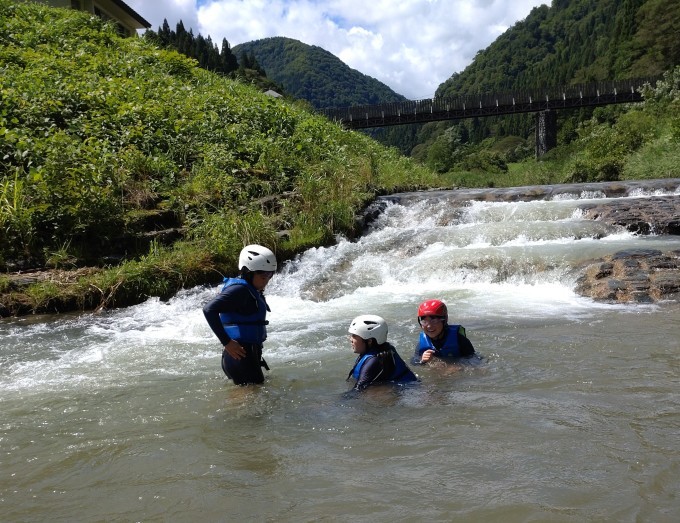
{"points": [[543, 102]]}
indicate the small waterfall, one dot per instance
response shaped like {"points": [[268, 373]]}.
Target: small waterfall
{"points": [[476, 248]]}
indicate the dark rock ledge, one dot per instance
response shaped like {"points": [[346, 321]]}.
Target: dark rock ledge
{"points": [[635, 275], [652, 215]]}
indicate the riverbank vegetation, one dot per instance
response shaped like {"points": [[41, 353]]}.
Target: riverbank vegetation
{"points": [[118, 156], [130, 172]]}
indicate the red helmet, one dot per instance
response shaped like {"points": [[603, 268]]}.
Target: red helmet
{"points": [[433, 308]]}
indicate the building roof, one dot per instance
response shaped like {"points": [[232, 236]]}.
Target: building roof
{"points": [[131, 13]]}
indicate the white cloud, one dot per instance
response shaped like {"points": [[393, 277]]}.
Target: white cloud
{"points": [[410, 45]]}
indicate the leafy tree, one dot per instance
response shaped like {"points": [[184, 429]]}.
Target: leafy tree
{"points": [[228, 61]]}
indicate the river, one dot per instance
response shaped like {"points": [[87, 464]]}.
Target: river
{"points": [[573, 415]]}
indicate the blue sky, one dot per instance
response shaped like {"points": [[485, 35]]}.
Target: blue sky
{"points": [[410, 45]]}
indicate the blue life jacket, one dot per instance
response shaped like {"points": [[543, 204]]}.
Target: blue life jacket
{"points": [[246, 328], [401, 374], [450, 348]]}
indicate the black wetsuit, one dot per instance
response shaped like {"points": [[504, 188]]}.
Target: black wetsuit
{"points": [[239, 300]]}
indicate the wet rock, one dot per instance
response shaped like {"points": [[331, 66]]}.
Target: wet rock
{"points": [[370, 214], [632, 276], [653, 215]]}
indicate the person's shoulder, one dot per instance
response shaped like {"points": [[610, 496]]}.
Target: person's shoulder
{"points": [[392, 349], [459, 329], [235, 285], [236, 291]]}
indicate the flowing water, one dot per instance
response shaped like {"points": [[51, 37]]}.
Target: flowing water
{"points": [[573, 415]]}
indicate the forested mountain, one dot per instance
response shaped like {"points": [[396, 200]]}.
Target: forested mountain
{"points": [[570, 42], [313, 74], [576, 41], [306, 72]]}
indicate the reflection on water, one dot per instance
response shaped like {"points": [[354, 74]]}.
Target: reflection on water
{"points": [[573, 415]]}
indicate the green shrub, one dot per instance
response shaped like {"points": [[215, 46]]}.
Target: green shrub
{"points": [[484, 162]]}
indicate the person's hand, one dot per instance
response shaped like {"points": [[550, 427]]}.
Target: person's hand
{"points": [[427, 356], [234, 349]]}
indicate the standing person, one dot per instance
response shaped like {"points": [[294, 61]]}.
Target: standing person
{"points": [[377, 361], [237, 316], [438, 339]]}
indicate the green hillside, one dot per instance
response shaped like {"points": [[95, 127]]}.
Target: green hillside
{"points": [[310, 73], [152, 172]]}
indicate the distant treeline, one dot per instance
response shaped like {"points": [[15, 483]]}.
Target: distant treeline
{"points": [[202, 49]]}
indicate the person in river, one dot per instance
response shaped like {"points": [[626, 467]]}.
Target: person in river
{"points": [[377, 360], [237, 316], [438, 339]]}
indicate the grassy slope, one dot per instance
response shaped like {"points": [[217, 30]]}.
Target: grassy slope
{"points": [[96, 130]]}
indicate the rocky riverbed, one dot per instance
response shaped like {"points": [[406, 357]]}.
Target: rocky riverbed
{"points": [[639, 275]]}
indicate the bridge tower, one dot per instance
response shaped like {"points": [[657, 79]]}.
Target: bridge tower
{"points": [[546, 132]]}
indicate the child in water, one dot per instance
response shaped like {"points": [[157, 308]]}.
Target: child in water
{"points": [[438, 339], [237, 316], [377, 361]]}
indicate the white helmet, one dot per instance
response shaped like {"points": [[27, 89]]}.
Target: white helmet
{"points": [[369, 326], [256, 258]]}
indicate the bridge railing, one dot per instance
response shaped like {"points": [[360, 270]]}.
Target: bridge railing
{"points": [[489, 104]]}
